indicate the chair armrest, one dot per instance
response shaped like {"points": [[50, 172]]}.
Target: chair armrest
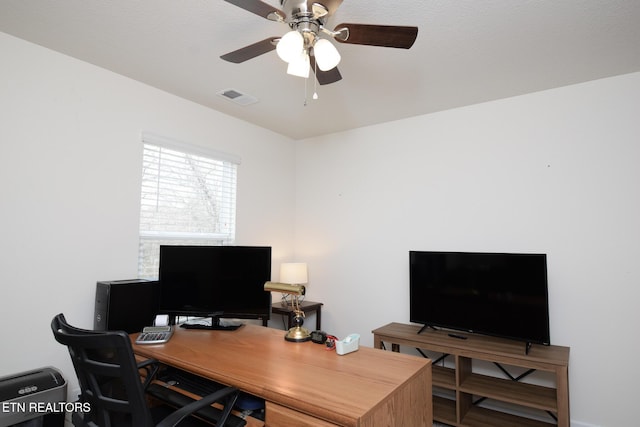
{"points": [[151, 367], [229, 394]]}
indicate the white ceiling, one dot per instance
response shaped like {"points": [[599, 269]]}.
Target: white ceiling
{"points": [[467, 51]]}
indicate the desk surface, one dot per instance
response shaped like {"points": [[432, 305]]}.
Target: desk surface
{"points": [[304, 377]]}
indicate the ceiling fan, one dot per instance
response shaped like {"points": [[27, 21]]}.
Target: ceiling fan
{"points": [[303, 48]]}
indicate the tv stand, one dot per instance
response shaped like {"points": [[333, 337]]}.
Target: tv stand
{"points": [[458, 388]]}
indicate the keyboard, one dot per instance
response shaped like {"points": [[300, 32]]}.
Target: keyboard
{"points": [[155, 335]]}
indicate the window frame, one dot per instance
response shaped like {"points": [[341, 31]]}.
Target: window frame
{"points": [[147, 238]]}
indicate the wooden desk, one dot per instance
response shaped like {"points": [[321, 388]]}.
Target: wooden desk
{"points": [[302, 383], [305, 307]]}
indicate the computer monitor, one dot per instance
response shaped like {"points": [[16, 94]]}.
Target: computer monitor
{"points": [[215, 281]]}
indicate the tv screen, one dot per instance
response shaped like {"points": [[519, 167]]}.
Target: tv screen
{"points": [[499, 294], [217, 281]]}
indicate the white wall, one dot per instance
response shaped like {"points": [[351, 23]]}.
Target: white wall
{"points": [[556, 172], [70, 167]]}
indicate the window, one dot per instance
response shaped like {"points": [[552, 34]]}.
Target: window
{"points": [[188, 197]]}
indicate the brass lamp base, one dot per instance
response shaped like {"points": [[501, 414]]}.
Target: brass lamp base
{"points": [[298, 334]]}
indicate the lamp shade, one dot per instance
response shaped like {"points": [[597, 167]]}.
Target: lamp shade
{"points": [[294, 273], [290, 46], [300, 66], [327, 56]]}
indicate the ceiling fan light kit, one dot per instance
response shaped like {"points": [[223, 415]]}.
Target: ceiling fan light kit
{"points": [[327, 56], [290, 46], [299, 65], [303, 49]]}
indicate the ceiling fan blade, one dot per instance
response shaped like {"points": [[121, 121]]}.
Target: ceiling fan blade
{"points": [[325, 77], [377, 35], [259, 8], [251, 51]]}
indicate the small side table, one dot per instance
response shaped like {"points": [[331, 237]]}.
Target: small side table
{"points": [[305, 307]]}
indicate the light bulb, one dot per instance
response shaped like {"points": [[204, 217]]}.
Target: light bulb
{"points": [[300, 66], [290, 46], [327, 56]]}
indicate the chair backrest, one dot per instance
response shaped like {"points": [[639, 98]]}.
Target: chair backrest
{"points": [[108, 375]]}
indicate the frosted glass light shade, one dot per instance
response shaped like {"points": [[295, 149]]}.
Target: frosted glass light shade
{"points": [[327, 56], [294, 273], [300, 66], [290, 46]]}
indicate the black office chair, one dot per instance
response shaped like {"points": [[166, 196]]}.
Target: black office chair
{"points": [[111, 384]]}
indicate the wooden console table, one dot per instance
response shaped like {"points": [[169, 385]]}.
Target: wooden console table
{"points": [[303, 384], [465, 384]]}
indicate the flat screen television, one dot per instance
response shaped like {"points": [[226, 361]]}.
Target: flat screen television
{"points": [[498, 294], [215, 281]]}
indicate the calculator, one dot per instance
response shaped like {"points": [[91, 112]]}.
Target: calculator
{"points": [[155, 335]]}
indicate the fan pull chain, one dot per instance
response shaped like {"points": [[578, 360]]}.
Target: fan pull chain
{"points": [[315, 84], [315, 80], [305, 90]]}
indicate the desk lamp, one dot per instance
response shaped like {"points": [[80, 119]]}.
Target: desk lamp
{"points": [[293, 276], [293, 273]]}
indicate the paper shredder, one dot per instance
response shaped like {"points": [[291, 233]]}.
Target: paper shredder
{"points": [[33, 398]]}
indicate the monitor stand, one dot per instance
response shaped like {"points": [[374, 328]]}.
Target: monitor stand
{"points": [[527, 348], [214, 326], [425, 327]]}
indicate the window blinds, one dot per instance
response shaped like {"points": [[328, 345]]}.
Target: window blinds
{"points": [[187, 197]]}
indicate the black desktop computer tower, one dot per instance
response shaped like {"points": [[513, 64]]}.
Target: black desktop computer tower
{"points": [[126, 305]]}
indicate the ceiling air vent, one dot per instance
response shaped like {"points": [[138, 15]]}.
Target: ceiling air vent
{"points": [[238, 97]]}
